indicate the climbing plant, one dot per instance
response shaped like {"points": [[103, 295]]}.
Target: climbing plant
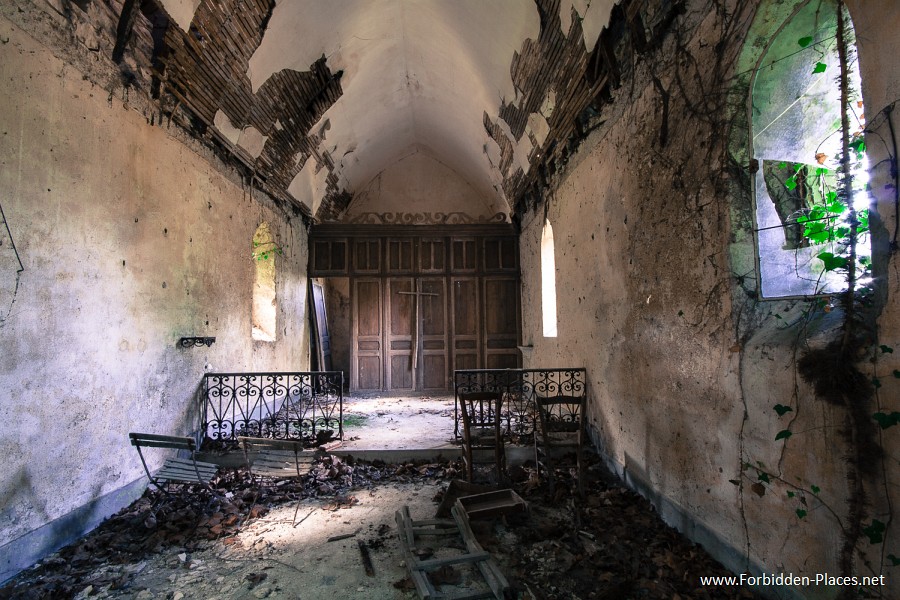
{"points": [[830, 220]]}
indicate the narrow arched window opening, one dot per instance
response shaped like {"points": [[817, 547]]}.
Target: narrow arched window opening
{"points": [[264, 308], [548, 280]]}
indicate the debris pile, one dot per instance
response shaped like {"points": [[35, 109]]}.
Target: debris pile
{"points": [[608, 545]]}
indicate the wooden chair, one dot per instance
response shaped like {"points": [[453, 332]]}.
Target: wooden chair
{"points": [[559, 431], [481, 428], [174, 470], [277, 459]]}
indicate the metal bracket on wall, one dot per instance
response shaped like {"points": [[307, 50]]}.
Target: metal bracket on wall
{"points": [[190, 342]]}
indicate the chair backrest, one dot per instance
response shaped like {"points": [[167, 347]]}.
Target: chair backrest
{"points": [[561, 413], [152, 440], [480, 409]]}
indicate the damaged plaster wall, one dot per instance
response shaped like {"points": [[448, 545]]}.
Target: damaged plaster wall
{"points": [[129, 241], [684, 365]]}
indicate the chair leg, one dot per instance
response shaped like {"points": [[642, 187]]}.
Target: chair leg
{"points": [[467, 458]]}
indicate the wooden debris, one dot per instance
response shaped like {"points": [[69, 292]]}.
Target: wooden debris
{"points": [[428, 574], [492, 504], [366, 558]]}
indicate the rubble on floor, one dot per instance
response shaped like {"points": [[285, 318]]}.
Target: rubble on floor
{"points": [[610, 546]]}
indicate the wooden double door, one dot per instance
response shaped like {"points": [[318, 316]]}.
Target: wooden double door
{"points": [[425, 300], [412, 332]]}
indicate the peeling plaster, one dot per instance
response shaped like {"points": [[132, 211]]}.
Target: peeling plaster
{"points": [[226, 128], [309, 185], [181, 11], [453, 63], [252, 141], [538, 126], [594, 14]]}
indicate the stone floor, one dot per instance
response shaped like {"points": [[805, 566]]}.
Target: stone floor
{"points": [[303, 539], [398, 422]]}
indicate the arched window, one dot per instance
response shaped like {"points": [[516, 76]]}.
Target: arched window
{"points": [[796, 140], [548, 281], [263, 311]]}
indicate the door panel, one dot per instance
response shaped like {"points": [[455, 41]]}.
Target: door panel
{"points": [[433, 366], [400, 317], [466, 319], [501, 322], [424, 306], [368, 366]]}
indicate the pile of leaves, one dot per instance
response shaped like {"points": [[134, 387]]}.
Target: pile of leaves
{"points": [[188, 517], [608, 545]]}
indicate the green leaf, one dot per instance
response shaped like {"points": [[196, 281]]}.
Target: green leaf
{"points": [[800, 513], [820, 171], [815, 489], [783, 434], [896, 373], [819, 68], [831, 261], [781, 409], [887, 420], [791, 182], [790, 494], [836, 208], [894, 560], [875, 531], [886, 349], [805, 41], [763, 476]]}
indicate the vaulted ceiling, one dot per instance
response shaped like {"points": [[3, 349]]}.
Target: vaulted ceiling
{"points": [[316, 98]]}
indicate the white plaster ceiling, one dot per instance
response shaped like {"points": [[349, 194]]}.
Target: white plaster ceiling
{"points": [[418, 75]]}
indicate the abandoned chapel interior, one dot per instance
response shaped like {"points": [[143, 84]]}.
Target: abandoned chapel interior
{"points": [[683, 212]]}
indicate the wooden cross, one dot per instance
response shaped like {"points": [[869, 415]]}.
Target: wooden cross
{"points": [[417, 293]]}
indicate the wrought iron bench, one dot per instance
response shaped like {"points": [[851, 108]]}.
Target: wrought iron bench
{"points": [[174, 470]]}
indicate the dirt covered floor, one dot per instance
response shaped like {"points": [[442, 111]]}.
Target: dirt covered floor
{"points": [[306, 539]]}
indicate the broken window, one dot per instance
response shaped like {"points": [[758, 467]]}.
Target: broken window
{"points": [[801, 222], [548, 281], [263, 313]]}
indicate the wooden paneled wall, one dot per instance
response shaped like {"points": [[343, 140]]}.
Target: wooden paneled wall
{"points": [[425, 300]]}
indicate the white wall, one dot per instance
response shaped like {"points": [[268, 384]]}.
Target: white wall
{"points": [[129, 241]]}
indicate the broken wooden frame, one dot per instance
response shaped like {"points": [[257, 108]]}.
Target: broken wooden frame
{"points": [[410, 531]]}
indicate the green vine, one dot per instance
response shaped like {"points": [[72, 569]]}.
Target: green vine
{"points": [[826, 221], [266, 250]]}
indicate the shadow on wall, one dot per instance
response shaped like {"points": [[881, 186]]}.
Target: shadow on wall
{"points": [[24, 551]]}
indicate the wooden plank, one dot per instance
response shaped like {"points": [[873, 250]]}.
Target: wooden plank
{"points": [[161, 441], [436, 563]]}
